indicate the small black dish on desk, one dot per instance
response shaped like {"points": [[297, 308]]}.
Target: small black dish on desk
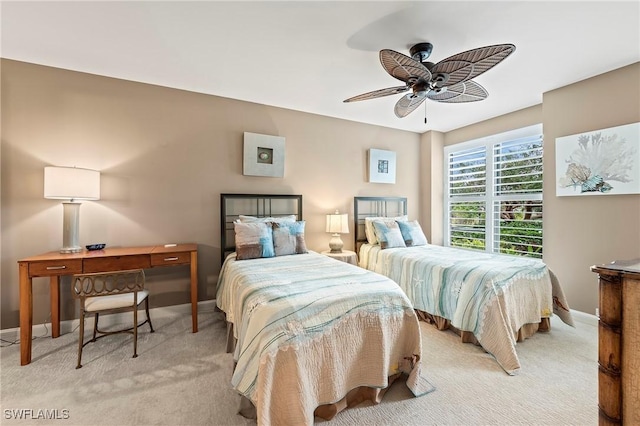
{"points": [[92, 247]]}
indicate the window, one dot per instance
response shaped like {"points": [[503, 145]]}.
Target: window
{"points": [[493, 193]]}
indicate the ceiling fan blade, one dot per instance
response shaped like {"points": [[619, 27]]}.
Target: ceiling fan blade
{"points": [[470, 64], [403, 67], [467, 91], [408, 103], [378, 93]]}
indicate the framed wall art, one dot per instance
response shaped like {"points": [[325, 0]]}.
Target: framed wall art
{"points": [[382, 166], [605, 161], [263, 155]]}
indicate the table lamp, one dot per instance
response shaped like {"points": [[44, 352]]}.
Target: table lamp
{"points": [[337, 224], [71, 183]]}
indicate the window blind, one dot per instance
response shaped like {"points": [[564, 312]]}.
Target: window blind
{"points": [[494, 194]]}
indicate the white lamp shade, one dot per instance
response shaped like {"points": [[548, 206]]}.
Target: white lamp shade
{"points": [[338, 223], [71, 183]]}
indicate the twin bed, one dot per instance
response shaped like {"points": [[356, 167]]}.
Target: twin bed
{"points": [[311, 335], [489, 299]]}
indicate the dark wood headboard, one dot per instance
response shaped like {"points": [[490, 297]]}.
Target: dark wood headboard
{"points": [[374, 207], [259, 205]]}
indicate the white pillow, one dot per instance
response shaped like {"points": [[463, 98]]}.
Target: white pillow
{"points": [[279, 219], [370, 231]]}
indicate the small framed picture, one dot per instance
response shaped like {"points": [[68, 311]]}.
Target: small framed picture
{"points": [[263, 155], [382, 166]]}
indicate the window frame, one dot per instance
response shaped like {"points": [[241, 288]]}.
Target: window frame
{"points": [[489, 198]]}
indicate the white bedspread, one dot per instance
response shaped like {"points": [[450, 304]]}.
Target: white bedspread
{"points": [[490, 295], [310, 328]]}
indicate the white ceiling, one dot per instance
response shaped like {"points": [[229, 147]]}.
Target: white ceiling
{"points": [[310, 56]]}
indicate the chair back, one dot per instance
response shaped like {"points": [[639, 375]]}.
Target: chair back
{"points": [[107, 283]]}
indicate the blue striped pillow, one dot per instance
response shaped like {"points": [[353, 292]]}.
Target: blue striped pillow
{"points": [[412, 233]]}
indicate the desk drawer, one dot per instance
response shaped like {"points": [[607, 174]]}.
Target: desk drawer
{"points": [[168, 259], [47, 268], [116, 263]]}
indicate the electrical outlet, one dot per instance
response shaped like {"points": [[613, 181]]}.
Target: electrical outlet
{"points": [[598, 312]]}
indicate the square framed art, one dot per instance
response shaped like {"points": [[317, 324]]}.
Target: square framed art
{"points": [[382, 166], [263, 155]]}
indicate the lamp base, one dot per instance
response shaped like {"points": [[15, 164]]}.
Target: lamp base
{"points": [[70, 228], [71, 249], [336, 244]]}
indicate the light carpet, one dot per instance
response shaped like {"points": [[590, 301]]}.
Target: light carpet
{"points": [[183, 378]]}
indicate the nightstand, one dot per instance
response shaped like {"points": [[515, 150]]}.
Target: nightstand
{"points": [[346, 256]]}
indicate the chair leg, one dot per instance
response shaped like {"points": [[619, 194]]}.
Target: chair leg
{"points": [[80, 339], [135, 332], [146, 309], [95, 327]]}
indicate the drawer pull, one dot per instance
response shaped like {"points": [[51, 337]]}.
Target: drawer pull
{"points": [[51, 268], [169, 259]]}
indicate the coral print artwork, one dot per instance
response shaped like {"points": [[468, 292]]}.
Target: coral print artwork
{"points": [[604, 161]]}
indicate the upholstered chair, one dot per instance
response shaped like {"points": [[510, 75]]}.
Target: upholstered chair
{"points": [[108, 293]]}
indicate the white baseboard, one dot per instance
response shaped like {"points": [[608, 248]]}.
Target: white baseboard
{"points": [[584, 318], [44, 330]]}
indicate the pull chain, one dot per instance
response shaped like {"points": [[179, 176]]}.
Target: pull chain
{"points": [[425, 113]]}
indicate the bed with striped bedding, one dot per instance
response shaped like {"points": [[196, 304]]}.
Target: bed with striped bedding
{"points": [[313, 334], [499, 299]]}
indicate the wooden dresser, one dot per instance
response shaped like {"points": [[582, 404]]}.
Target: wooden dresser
{"points": [[619, 343]]}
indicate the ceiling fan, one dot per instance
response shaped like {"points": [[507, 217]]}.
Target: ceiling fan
{"points": [[448, 81]]}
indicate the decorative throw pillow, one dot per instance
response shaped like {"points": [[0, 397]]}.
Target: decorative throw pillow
{"points": [[412, 233], [388, 233], [288, 238], [370, 231], [253, 240], [249, 219]]}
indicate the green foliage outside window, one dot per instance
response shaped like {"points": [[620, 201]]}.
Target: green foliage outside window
{"points": [[515, 191]]}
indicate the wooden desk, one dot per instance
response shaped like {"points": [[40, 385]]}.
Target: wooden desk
{"points": [[55, 264]]}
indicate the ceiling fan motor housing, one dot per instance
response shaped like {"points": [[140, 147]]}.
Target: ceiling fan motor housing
{"points": [[421, 51]]}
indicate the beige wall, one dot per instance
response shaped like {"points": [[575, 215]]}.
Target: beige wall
{"points": [[583, 231], [514, 120], [165, 157], [432, 179]]}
